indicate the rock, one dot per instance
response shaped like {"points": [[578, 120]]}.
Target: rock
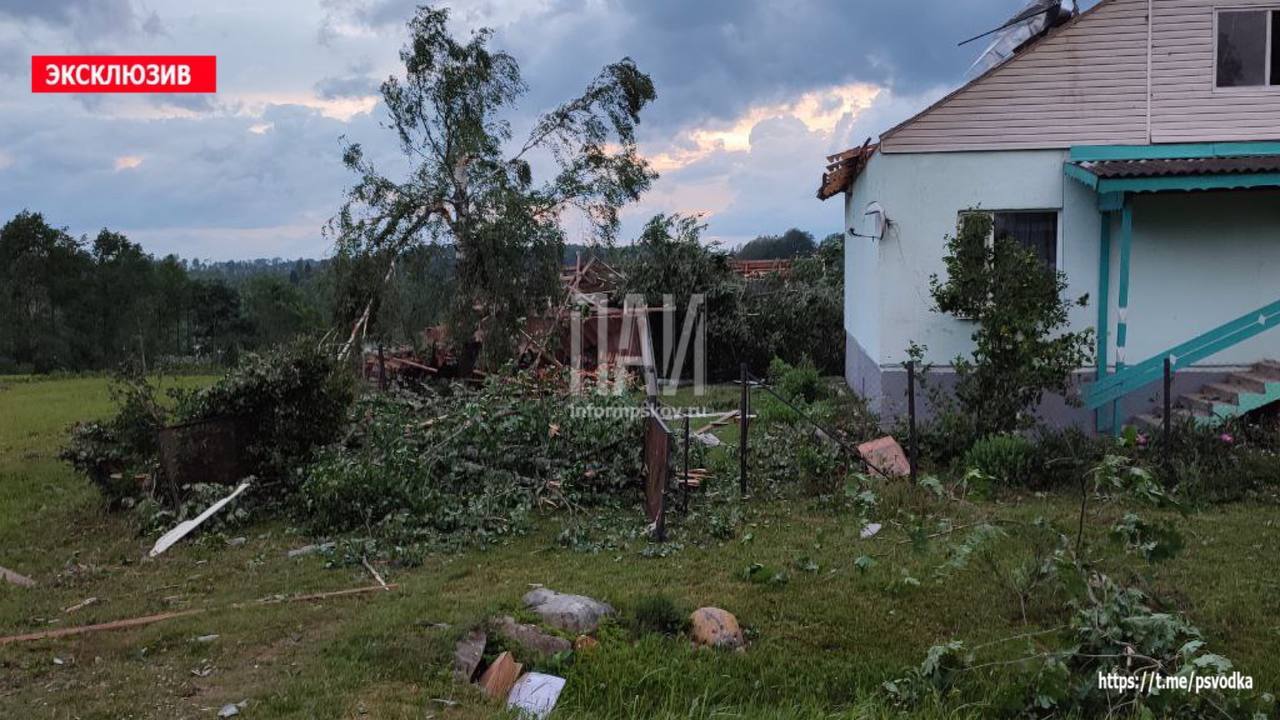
{"points": [[500, 676], [535, 695], [886, 454], [530, 637], [585, 643], [467, 655], [713, 627], [575, 613]]}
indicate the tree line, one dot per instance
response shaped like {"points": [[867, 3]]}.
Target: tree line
{"points": [[72, 304]]}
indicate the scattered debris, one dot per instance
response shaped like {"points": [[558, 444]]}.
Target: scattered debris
{"points": [[467, 655], [373, 572], [885, 454], [82, 604], [149, 619], [306, 550], [708, 439], [207, 638], [236, 542], [530, 637], [232, 709], [535, 694], [585, 644], [16, 579], [59, 661], [870, 530], [500, 676], [713, 627], [184, 528], [574, 613]]}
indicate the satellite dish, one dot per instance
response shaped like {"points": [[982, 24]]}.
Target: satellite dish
{"points": [[877, 220], [1037, 18]]}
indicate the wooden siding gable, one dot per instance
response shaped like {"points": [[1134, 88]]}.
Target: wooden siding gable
{"points": [[1083, 84]]}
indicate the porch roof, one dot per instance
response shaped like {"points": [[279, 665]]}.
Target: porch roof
{"points": [[1216, 167]]}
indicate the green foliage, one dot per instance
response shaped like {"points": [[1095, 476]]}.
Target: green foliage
{"points": [[790, 244], [1156, 541], [287, 402], [468, 188], [470, 467], [1006, 459], [1022, 350], [659, 614], [800, 383]]}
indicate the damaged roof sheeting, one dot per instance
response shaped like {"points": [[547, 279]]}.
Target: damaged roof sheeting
{"points": [[1199, 173], [845, 167]]}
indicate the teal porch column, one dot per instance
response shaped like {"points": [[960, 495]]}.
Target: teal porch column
{"points": [[1105, 415], [1122, 302]]}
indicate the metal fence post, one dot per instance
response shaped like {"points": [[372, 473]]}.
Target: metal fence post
{"points": [[744, 409], [684, 494], [1168, 406], [911, 416]]}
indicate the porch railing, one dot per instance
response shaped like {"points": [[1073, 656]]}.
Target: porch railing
{"points": [[1134, 377]]}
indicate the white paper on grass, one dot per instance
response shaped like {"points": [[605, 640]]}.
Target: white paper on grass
{"points": [[535, 694], [870, 530], [168, 539]]}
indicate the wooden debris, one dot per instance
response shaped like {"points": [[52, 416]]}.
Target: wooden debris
{"points": [[719, 422], [80, 605], [500, 676], [150, 619], [374, 573], [16, 579]]}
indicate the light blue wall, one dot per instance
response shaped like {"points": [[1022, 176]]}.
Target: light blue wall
{"points": [[1198, 259]]}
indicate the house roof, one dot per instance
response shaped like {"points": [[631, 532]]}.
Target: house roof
{"points": [[845, 167]]}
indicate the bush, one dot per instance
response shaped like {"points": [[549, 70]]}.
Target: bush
{"points": [[287, 401], [799, 384], [1006, 459], [659, 614]]}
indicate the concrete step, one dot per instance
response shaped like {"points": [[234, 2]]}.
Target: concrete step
{"points": [[1202, 402], [1268, 369], [1250, 381], [1225, 392]]}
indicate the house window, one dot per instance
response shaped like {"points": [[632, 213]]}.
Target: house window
{"points": [[1036, 231], [1248, 54]]}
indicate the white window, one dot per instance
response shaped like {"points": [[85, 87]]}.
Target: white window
{"points": [[1248, 49]]}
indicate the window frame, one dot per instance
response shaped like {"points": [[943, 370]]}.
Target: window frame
{"points": [[1059, 244], [1267, 85]]}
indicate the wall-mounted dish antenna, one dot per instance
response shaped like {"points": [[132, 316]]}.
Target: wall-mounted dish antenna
{"points": [[1037, 18]]}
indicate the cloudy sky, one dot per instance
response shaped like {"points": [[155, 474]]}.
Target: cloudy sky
{"points": [[751, 95]]}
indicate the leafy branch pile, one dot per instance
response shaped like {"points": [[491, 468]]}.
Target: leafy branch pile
{"points": [[417, 473]]}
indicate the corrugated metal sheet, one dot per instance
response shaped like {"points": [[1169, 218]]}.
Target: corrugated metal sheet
{"points": [[1112, 169]]}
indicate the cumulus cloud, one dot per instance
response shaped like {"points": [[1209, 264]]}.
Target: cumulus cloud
{"points": [[88, 20]]}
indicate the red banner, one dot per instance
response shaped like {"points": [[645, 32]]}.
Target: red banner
{"points": [[124, 74]]}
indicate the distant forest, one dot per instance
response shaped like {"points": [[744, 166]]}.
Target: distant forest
{"points": [[75, 304]]}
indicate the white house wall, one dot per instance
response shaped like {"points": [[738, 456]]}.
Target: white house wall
{"points": [[1197, 260]]}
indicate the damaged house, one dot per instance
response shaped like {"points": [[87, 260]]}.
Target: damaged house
{"points": [[1136, 148]]}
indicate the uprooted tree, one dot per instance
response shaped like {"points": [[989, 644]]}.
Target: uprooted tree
{"points": [[469, 186]]}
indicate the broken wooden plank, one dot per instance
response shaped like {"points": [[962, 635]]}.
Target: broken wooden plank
{"points": [[167, 540], [498, 678]]}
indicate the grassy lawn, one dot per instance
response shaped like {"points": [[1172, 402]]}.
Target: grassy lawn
{"points": [[821, 643]]}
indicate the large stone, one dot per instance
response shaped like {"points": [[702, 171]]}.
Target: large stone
{"points": [[574, 613], [886, 455], [530, 638], [713, 627], [467, 655]]}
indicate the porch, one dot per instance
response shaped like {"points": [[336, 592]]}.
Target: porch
{"points": [[1176, 178]]}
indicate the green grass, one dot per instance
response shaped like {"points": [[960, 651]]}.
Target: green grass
{"points": [[820, 644]]}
